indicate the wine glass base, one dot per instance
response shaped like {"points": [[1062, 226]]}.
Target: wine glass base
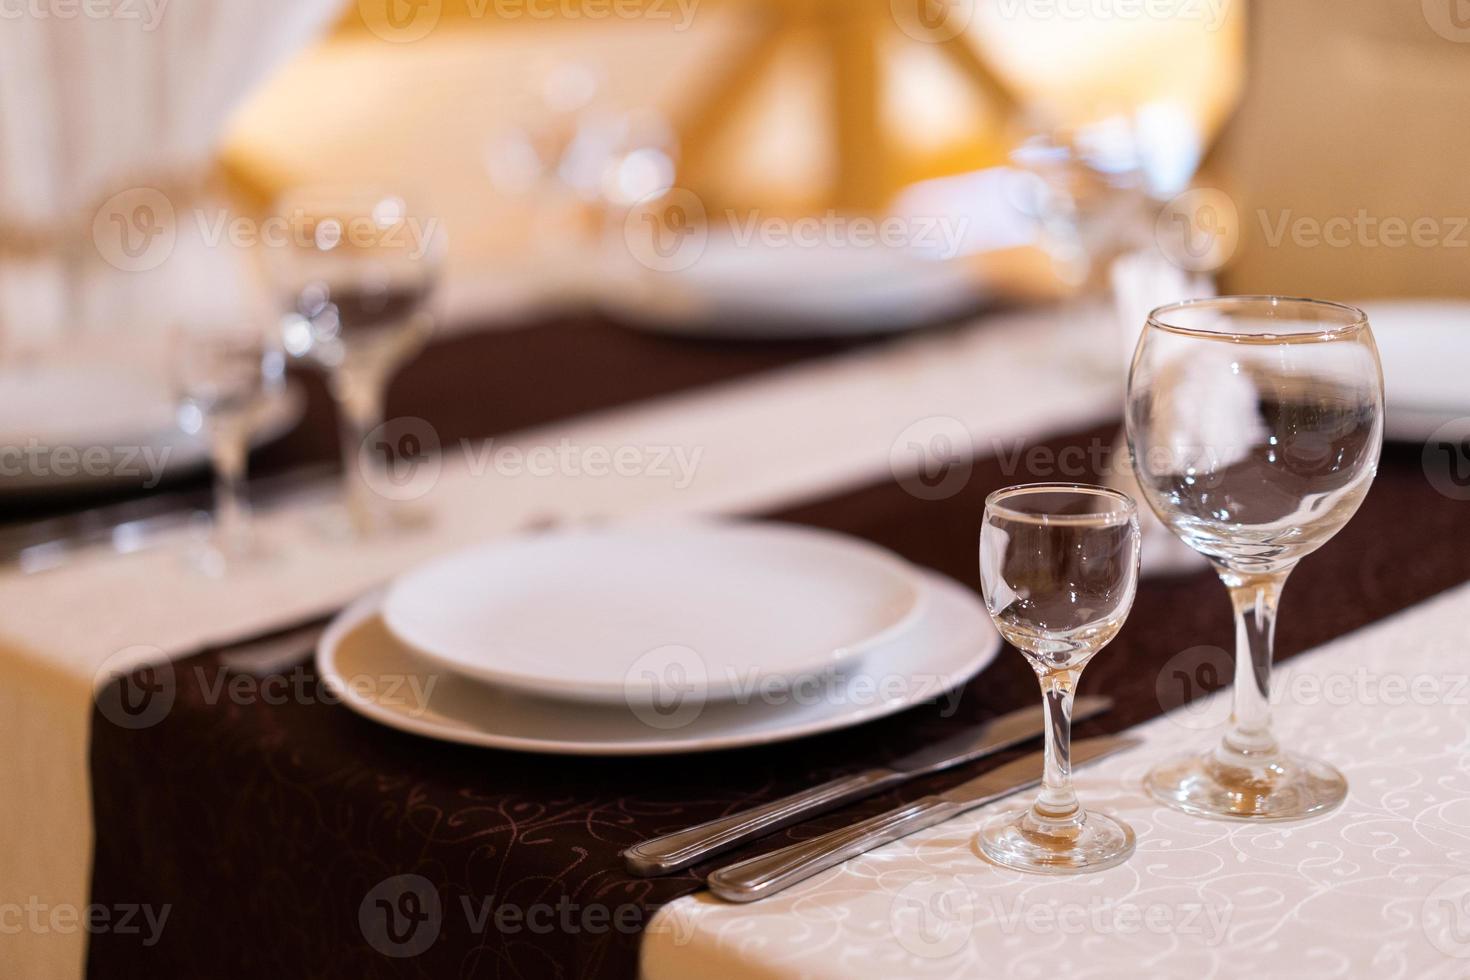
{"points": [[1100, 842], [340, 524], [1292, 787], [213, 559]]}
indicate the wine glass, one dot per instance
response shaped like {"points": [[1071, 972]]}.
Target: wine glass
{"points": [[1254, 425], [355, 276], [1059, 568], [221, 374]]}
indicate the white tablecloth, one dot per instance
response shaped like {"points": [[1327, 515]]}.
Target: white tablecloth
{"points": [[759, 443], [1379, 888]]}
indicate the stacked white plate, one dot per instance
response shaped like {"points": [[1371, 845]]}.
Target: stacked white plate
{"points": [[1424, 345], [654, 639], [86, 425]]}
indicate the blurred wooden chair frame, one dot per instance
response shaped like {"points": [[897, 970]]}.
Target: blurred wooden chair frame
{"points": [[854, 32]]}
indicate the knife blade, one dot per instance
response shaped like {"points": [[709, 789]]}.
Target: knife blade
{"points": [[671, 852], [767, 874]]}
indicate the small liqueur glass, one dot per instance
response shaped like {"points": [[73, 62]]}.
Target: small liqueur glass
{"points": [[1059, 569]]}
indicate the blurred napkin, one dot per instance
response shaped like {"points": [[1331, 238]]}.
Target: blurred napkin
{"points": [[1141, 281]]}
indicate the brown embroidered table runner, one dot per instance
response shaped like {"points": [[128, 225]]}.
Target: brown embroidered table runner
{"points": [[479, 383], [266, 824]]}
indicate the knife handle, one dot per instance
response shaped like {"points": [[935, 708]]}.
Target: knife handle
{"points": [[661, 855], [767, 874]]}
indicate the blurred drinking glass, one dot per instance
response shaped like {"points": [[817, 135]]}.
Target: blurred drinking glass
{"points": [[1255, 425], [221, 379], [355, 276]]}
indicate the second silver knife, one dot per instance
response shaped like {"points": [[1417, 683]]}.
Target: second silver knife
{"points": [[767, 874], [662, 855]]}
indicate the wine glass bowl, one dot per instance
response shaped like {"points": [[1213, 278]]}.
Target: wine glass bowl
{"points": [[1059, 569], [1255, 426], [221, 382], [355, 280]]}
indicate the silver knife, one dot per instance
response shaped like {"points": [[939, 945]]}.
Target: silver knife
{"points": [[662, 855], [770, 873]]}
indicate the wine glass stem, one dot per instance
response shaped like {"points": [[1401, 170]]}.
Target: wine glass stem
{"points": [[1056, 809], [227, 447], [359, 398], [1254, 598]]}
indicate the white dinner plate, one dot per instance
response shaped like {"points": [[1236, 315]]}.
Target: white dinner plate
{"points": [[758, 291], [89, 426], [379, 678], [598, 614], [1424, 346]]}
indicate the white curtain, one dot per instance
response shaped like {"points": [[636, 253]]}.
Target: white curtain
{"points": [[122, 101]]}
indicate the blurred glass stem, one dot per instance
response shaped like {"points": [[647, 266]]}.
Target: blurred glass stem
{"points": [[359, 395], [229, 440]]}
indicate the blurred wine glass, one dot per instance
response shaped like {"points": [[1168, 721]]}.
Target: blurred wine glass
{"points": [[222, 374], [578, 165], [355, 277]]}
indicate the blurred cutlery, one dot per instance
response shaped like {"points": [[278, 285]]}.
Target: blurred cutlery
{"points": [[662, 855], [767, 874]]}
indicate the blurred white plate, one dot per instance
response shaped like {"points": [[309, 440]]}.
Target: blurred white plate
{"points": [[382, 680], [758, 290], [610, 614], [1425, 349], [85, 426]]}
